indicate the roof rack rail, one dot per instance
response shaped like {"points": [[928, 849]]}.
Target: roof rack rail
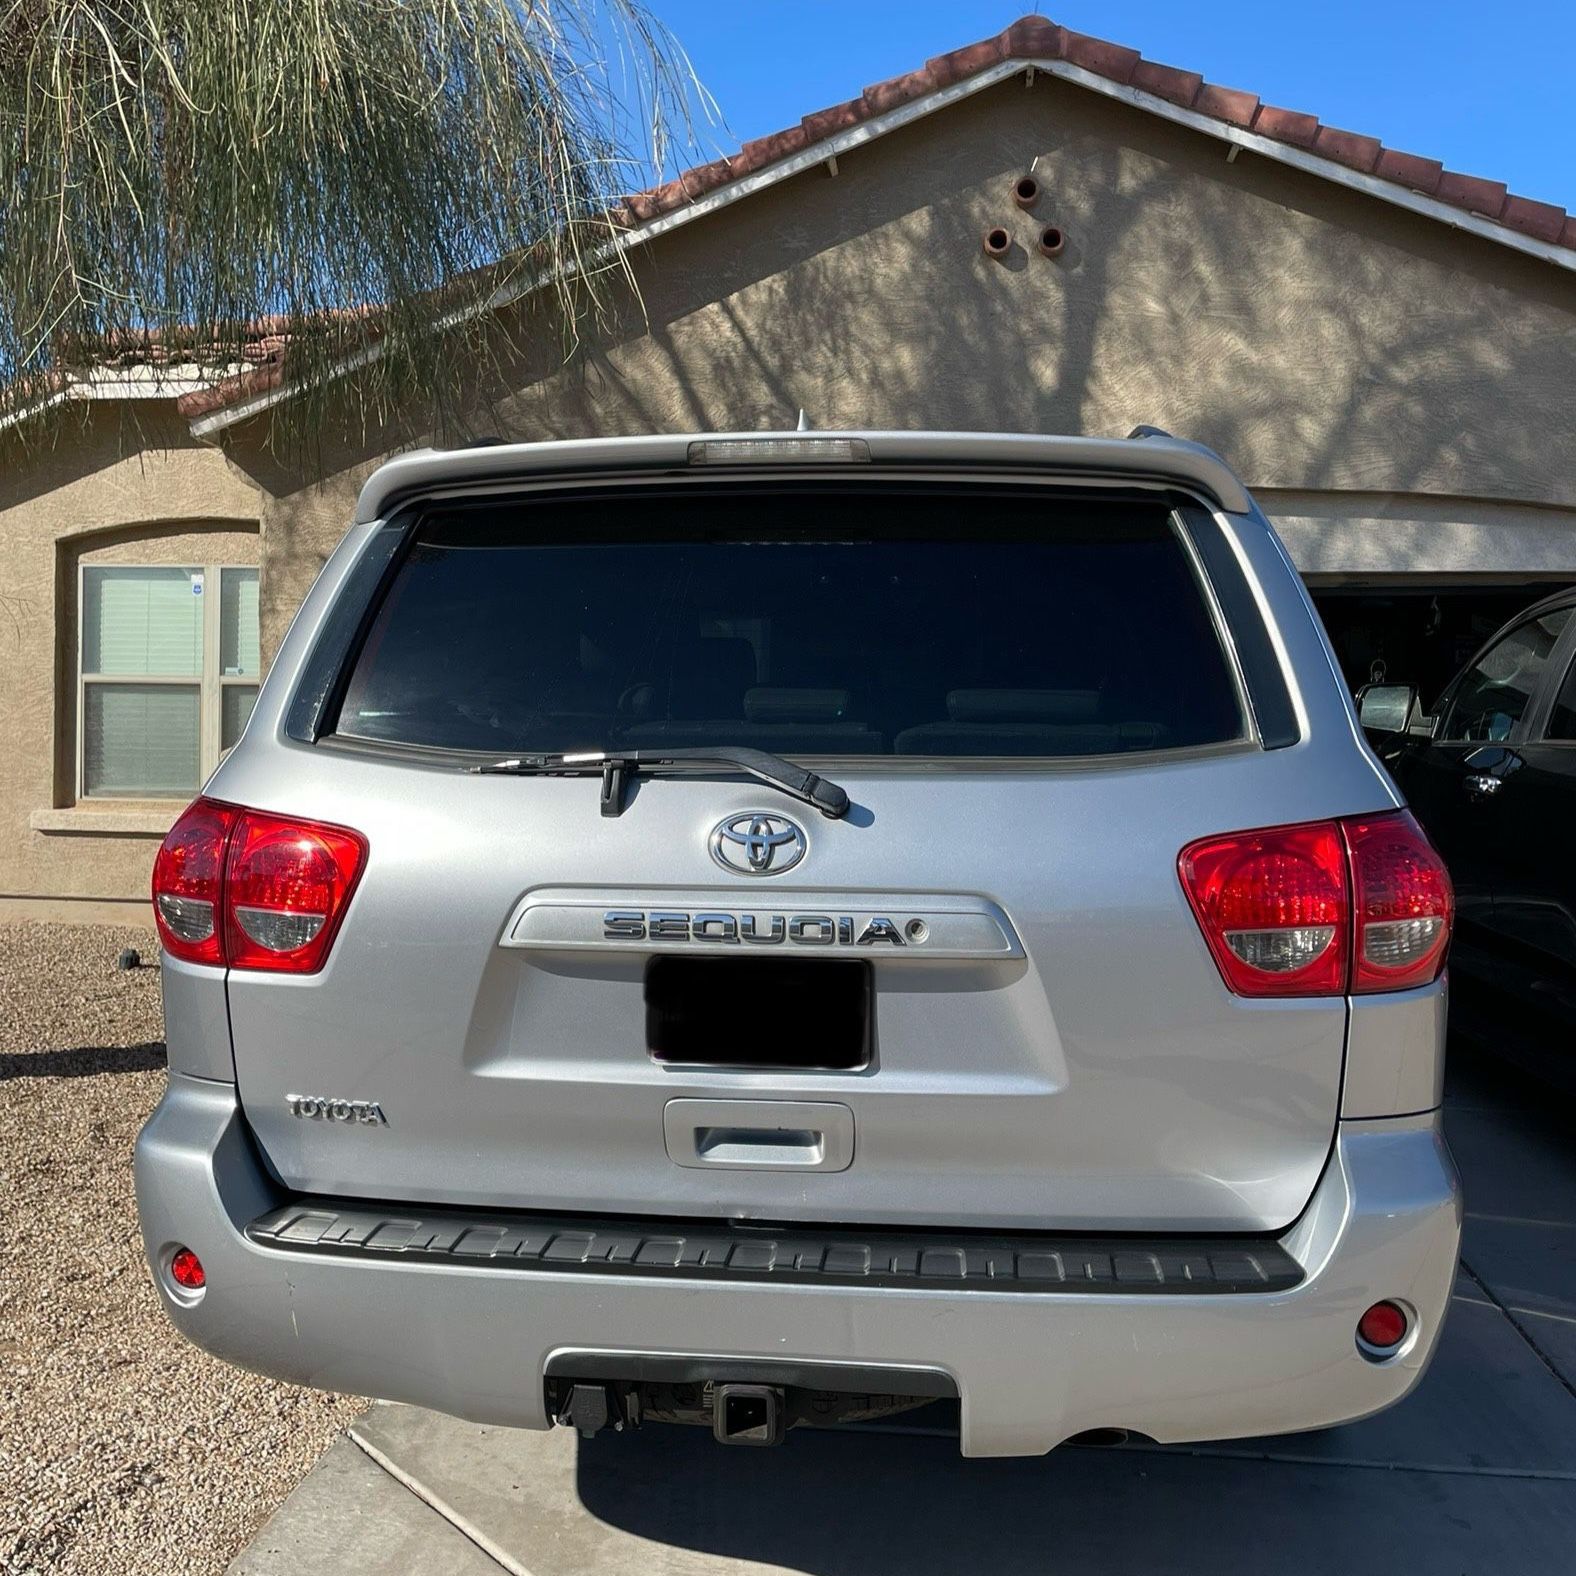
{"points": [[1144, 430]]}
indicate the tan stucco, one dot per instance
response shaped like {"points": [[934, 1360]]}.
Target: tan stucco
{"points": [[170, 500], [1403, 389]]}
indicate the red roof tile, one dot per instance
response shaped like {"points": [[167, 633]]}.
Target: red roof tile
{"points": [[1115, 61], [1286, 125], [1347, 147], [824, 123], [1473, 193], [1166, 82], [969, 61], [1407, 169], [898, 90], [1540, 219], [1230, 104]]}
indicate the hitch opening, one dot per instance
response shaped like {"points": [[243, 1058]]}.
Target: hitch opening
{"points": [[748, 1414]]}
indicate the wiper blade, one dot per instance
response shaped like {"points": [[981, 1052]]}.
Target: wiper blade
{"points": [[618, 766]]}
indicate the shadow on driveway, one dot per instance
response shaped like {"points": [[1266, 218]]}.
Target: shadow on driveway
{"points": [[83, 1061]]}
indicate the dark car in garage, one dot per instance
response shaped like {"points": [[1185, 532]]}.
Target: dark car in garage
{"points": [[1492, 777]]}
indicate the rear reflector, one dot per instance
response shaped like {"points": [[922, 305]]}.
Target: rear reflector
{"points": [[1323, 908], [186, 1270], [1383, 1326], [254, 891]]}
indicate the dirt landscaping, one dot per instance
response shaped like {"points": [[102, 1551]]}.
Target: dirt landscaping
{"points": [[122, 1448]]}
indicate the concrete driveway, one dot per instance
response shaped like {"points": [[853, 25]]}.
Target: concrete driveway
{"points": [[1476, 1472]]}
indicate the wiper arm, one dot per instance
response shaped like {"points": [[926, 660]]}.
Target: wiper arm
{"points": [[618, 766]]}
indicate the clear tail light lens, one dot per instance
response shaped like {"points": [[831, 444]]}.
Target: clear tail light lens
{"points": [[252, 890], [1324, 908], [1404, 903], [1273, 907]]}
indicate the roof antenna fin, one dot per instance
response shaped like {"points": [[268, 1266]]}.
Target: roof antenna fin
{"points": [[804, 421]]}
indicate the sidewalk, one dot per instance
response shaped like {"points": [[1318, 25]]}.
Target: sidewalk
{"points": [[1475, 1472]]}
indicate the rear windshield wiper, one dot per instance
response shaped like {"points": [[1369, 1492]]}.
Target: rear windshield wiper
{"points": [[619, 766]]}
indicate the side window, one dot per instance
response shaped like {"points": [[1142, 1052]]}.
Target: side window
{"points": [[168, 675], [1562, 720], [1493, 693]]}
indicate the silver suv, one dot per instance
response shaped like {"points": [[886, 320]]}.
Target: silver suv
{"points": [[770, 929]]}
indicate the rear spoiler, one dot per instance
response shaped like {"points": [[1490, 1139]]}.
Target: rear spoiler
{"points": [[1147, 454]]}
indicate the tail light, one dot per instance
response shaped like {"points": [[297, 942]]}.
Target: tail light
{"points": [[254, 891], [1321, 909], [187, 877], [1404, 903]]}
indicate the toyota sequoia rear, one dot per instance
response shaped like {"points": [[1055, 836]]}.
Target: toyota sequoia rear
{"points": [[767, 930]]}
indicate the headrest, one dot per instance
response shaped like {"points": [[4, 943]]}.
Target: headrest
{"points": [[769, 704], [1023, 705]]}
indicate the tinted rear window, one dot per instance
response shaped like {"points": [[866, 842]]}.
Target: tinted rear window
{"points": [[931, 624]]}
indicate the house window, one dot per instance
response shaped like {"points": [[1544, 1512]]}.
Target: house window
{"points": [[168, 675]]}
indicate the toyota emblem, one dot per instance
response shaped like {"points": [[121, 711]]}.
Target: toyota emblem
{"points": [[757, 844]]}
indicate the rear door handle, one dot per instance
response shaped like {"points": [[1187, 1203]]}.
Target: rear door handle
{"points": [[1480, 785], [760, 1146], [759, 1135]]}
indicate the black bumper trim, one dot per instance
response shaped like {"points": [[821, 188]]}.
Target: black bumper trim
{"points": [[716, 1250]]}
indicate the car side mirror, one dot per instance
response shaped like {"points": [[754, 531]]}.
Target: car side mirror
{"points": [[1386, 708]]}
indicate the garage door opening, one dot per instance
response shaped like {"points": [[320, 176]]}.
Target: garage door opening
{"points": [[1417, 634]]}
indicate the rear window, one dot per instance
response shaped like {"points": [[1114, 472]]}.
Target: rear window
{"points": [[934, 623]]}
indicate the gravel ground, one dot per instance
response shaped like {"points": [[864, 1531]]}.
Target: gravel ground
{"points": [[122, 1448]]}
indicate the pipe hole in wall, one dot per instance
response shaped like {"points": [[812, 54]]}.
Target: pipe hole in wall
{"points": [[997, 242], [1026, 191], [1052, 240]]}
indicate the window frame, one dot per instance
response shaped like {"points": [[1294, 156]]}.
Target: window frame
{"points": [[1562, 660], [210, 683], [313, 716], [1529, 724]]}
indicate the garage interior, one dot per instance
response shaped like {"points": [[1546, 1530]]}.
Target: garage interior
{"points": [[1417, 630]]}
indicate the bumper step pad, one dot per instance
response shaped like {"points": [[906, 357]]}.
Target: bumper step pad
{"points": [[739, 1251]]}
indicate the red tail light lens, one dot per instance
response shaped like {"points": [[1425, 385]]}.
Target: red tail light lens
{"points": [[187, 875], [1404, 903], [1273, 907], [252, 890], [287, 884], [1323, 908]]}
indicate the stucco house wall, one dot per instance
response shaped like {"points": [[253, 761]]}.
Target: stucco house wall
{"points": [[87, 499], [1397, 390]]}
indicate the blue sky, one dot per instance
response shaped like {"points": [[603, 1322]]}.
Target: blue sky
{"points": [[1485, 88]]}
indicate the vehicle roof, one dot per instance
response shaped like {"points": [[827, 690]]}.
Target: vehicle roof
{"points": [[1564, 597], [1543, 604], [1147, 456]]}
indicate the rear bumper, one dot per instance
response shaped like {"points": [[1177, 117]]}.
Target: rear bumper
{"points": [[1031, 1366]]}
